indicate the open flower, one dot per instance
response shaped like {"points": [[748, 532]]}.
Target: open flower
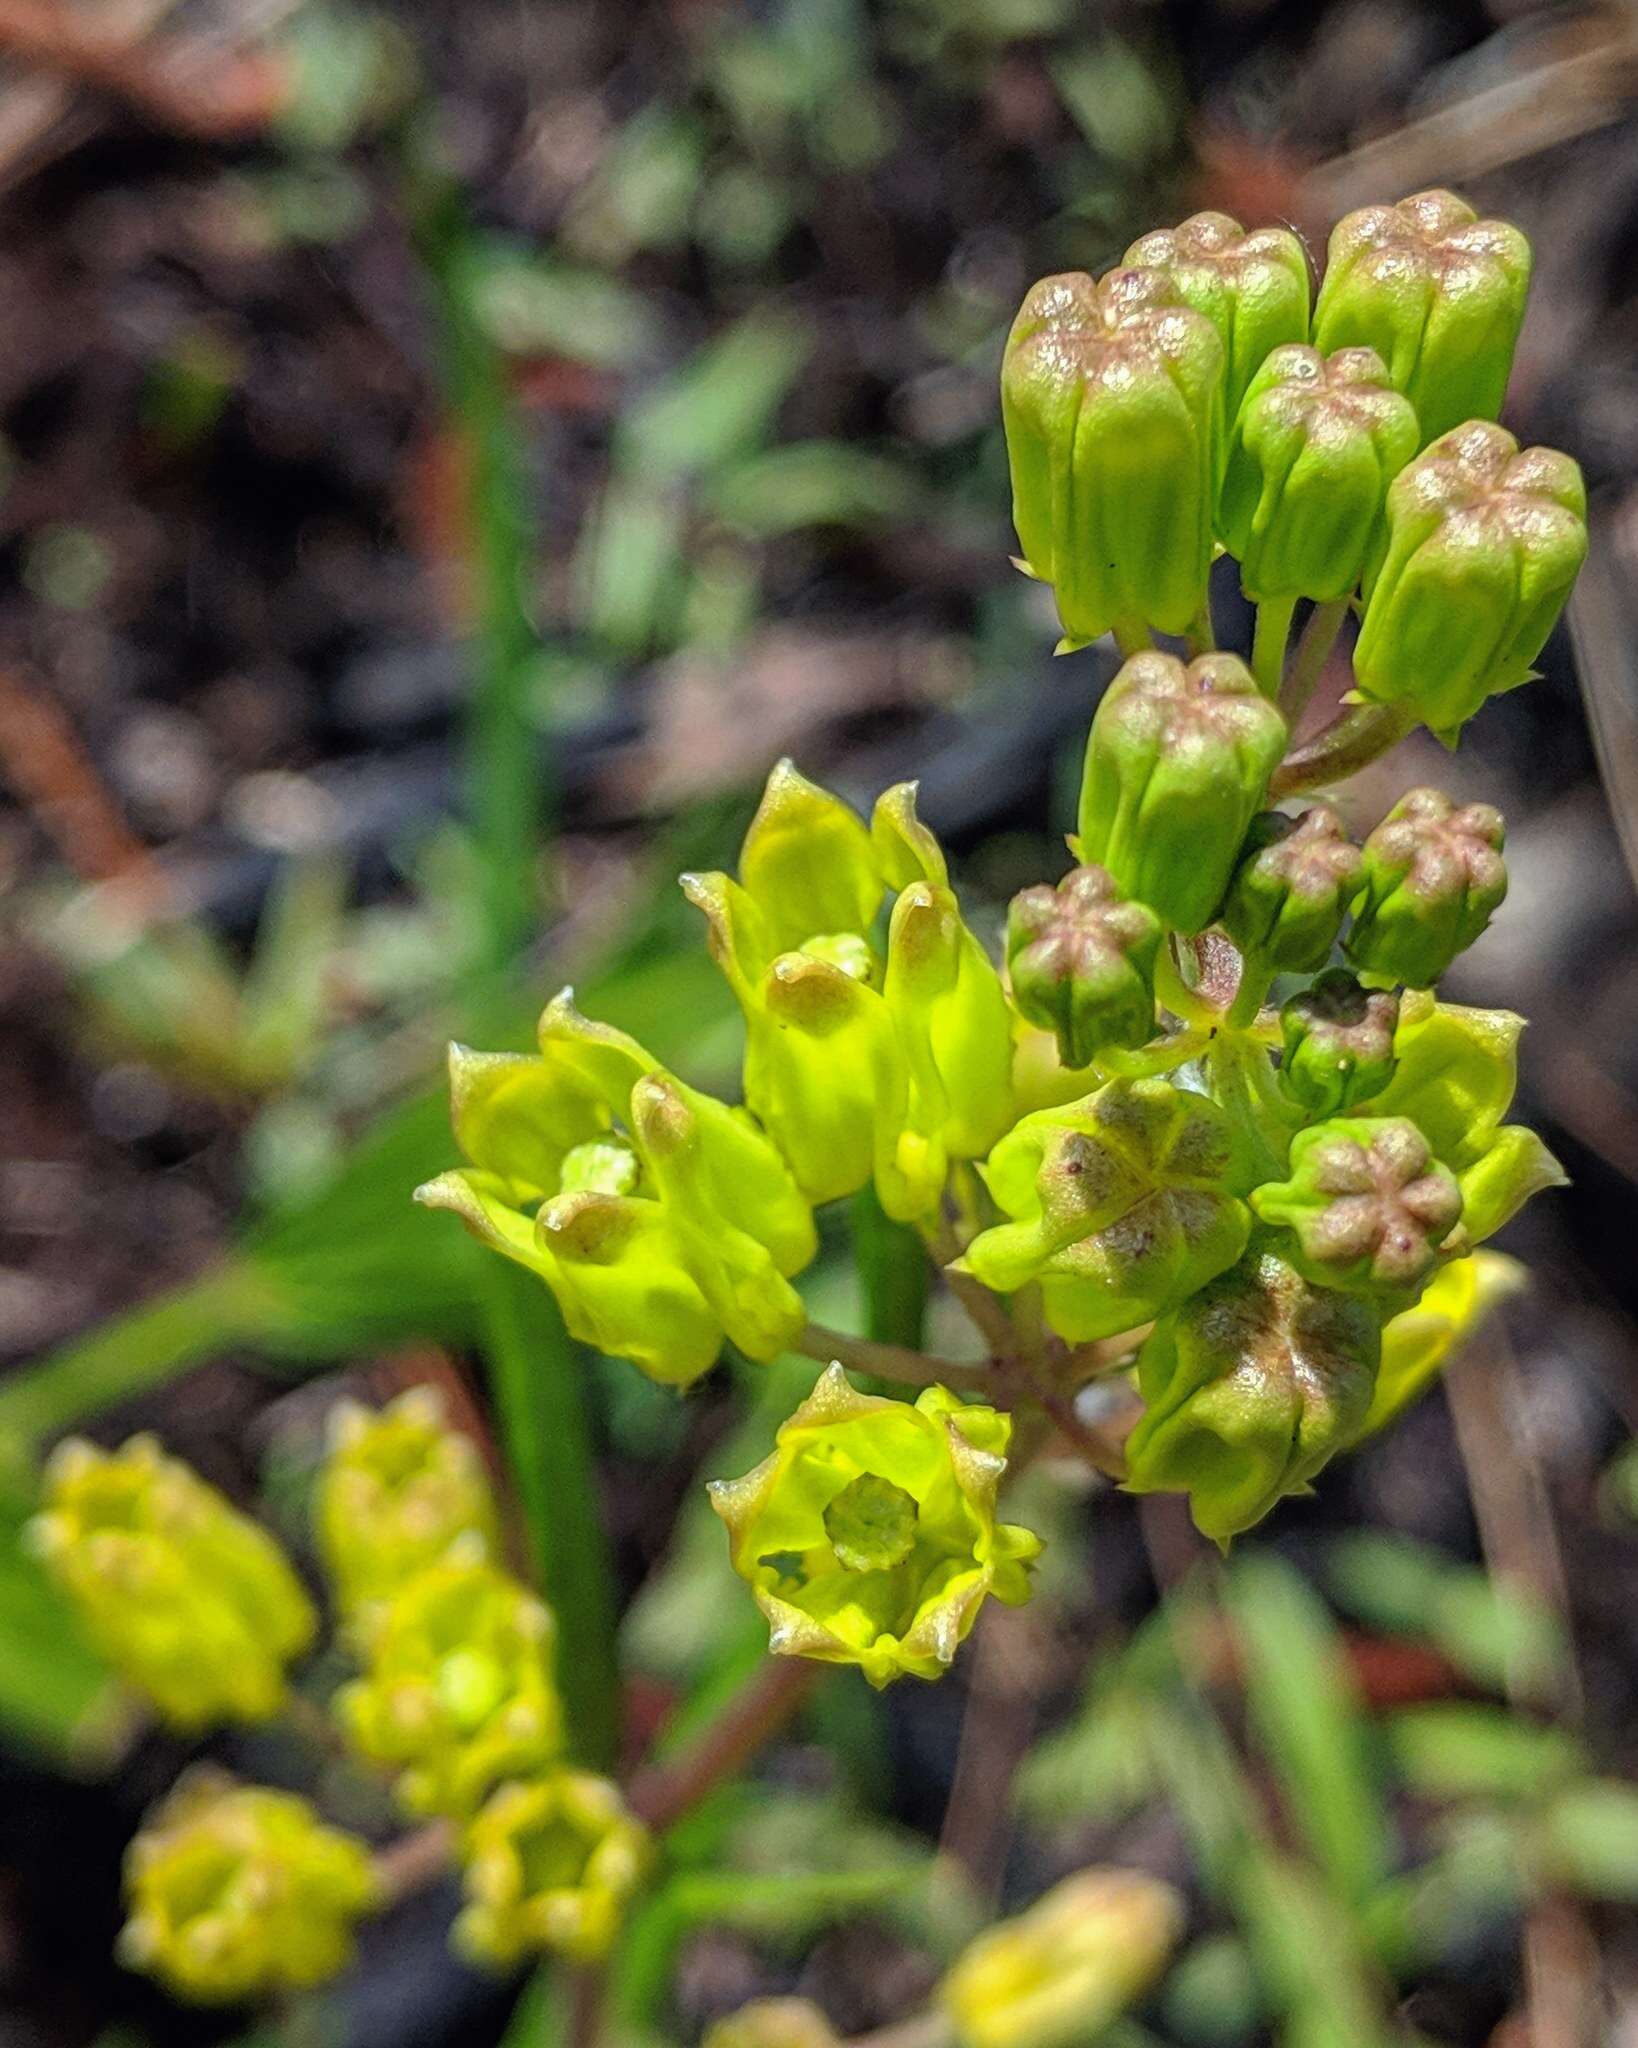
{"points": [[237, 1892], [192, 1602], [869, 1536], [457, 1692], [550, 1865], [661, 1219], [862, 1063]]}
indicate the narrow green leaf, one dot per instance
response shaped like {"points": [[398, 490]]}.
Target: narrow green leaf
{"points": [[538, 1380]]}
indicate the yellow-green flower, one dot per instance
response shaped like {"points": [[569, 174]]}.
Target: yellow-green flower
{"points": [[1418, 1343], [550, 1864], [661, 1219], [399, 1490], [1250, 1387], [457, 1693], [1118, 1205], [235, 1892], [863, 1061], [1057, 1975], [773, 2023], [869, 1536], [193, 1603]]}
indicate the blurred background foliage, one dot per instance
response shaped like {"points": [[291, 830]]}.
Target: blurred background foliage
{"points": [[446, 456]]}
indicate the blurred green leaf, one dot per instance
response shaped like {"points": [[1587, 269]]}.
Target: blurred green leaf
{"points": [[1211, 1997], [812, 483], [1451, 1750], [627, 566], [1116, 100], [641, 192], [718, 406], [1307, 1712], [58, 1699], [1589, 1839], [533, 304]]}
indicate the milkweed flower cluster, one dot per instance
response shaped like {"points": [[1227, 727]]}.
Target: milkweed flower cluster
{"points": [[1208, 1122]]}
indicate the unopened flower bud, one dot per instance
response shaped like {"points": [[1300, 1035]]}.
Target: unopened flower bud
{"points": [[1082, 961], [773, 2023], [1484, 542], [1177, 766], [1058, 1974], [550, 1865], [1338, 1044], [1294, 883], [1434, 877], [193, 1603], [1367, 1204], [1250, 1387], [869, 1536], [1311, 455], [1112, 398], [457, 1693], [1252, 287], [1119, 1205], [236, 1892], [1438, 293], [399, 1490]]}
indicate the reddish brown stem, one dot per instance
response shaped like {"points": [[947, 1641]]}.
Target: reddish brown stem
{"points": [[663, 1793]]}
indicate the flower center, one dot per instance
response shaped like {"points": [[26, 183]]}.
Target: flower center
{"points": [[871, 1524], [602, 1166]]}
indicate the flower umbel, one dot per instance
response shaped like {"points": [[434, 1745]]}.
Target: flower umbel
{"points": [[236, 1892], [869, 1537], [457, 1693], [192, 1602]]}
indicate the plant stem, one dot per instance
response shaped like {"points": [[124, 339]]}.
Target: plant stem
{"points": [[1358, 735], [884, 1361], [892, 1265], [1131, 636], [1202, 634], [414, 1861], [587, 1984], [776, 1689], [1162, 1057], [1269, 635], [1241, 1095], [1248, 997], [1314, 645]]}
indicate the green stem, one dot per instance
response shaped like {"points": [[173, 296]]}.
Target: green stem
{"points": [[893, 1273], [1272, 630], [507, 794], [1177, 996], [1314, 644], [1202, 634], [1241, 1094], [1161, 1057], [538, 1381], [1358, 735], [884, 1361], [1255, 980], [1132, 636]]}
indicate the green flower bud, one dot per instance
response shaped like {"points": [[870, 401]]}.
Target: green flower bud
{"points": [[235, 1892], [773, 2023], [550, 1865], [660, 1218], [1418, 1341], [1438, 293], [1057, 1975], [869, 1536], [1120, 1205], [192, 1603], [1176, 768], [1253, 288], [1457, 1069], [1483, 545], [1434, 877], [398, 1491], [1082, 961], [1311, 455], [1294, 883], [1251, 1386], [1112, 398], [1368, 1205], [859, 1067], [457, 1693], [1338, 1044]]}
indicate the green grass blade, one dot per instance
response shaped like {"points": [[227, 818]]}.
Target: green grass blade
{"points": [[538, 1382]]}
